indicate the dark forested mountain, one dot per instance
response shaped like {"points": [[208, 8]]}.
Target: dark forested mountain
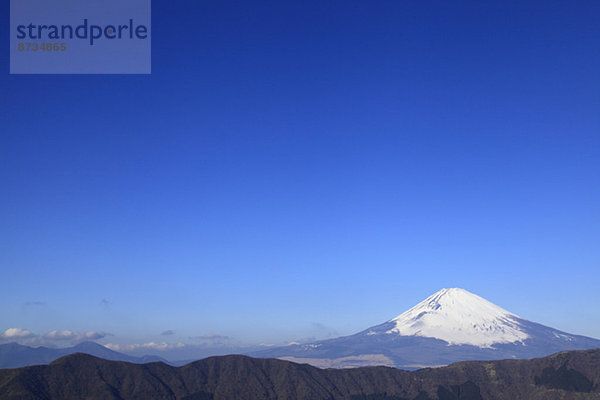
{"points": [[449, 326], [565, 376], [13, 355]]}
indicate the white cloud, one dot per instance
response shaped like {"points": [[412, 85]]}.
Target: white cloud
{"points": [[34, 304], [59, 335], [16, 333], [162, 346], [73, 336], [52, 338], [211, 336]]}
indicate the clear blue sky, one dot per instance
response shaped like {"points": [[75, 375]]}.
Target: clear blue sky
{"points": [[307, 169]]}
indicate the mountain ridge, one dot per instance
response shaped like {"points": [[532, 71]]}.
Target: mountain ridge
{"points": [[14, 355], [449, 326], [566, 376]]}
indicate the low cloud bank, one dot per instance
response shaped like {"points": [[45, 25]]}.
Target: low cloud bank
{"points": [[26, 337]]}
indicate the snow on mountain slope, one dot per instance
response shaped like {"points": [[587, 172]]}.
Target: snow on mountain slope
{"points": [[458, 317], [451, 325]]}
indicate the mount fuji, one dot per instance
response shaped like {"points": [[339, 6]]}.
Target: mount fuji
{"points": [[449, 326]]}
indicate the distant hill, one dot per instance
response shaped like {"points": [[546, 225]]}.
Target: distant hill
{"points": [[13, 355], [449, 326], [566, 376]]}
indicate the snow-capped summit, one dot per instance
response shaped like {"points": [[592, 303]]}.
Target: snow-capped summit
{"points": [[457, 316], [449, 326]]}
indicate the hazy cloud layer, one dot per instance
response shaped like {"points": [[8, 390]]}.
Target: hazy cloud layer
{"points": [[74, 336], [35, 304], [167, 333], [52, 338], [211, 336], [324, 330], [16, 334], [162, 346]]}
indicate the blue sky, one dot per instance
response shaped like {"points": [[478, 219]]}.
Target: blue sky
{"points": [[308, 169]]}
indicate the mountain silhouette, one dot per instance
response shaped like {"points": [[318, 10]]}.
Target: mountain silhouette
{"points": [[449, 326], [565, 376]]}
